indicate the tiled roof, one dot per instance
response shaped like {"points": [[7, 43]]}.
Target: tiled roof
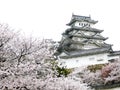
{"points": [[114, 53], [80, 53], [87, 29], [81, 18], [82, 29], [91, 37]]}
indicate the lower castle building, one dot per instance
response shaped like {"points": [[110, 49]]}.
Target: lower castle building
{"points": [[82, 45]]}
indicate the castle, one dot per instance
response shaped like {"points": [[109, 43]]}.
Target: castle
{"points": [[81, 44]]}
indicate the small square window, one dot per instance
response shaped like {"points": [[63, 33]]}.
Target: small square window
{"points": [[100, 60], [92, 58], [77, 60], [82, 24]]}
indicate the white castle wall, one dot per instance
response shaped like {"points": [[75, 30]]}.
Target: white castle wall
{"points": [[86, 60]]}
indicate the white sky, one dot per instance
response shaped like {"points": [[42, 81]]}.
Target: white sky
{"points": [[48, 18]]}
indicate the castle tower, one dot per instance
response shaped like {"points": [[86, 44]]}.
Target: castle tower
{"points": [[82, 44]]}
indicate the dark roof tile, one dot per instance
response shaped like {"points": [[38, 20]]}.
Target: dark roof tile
{"points": [[80, 53], [81, 18]]}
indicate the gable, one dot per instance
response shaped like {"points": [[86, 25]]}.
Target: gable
{"points": [[63, 54], [90, 46]]}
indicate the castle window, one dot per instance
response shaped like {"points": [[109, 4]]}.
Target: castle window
{"points": [[77, 60], [81, 24], [100, 60], [92, 58], [62, 63], [89, 25]]}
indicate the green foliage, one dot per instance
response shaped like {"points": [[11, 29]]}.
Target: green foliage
{"points": [[63, 71], [60, 71], [94, 68]]}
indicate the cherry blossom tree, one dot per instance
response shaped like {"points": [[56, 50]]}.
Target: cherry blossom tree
{"points": [[112, 71], [25, 64], [106, 76]]}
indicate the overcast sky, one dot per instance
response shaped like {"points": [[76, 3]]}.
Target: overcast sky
{"points": [[48, 18]]}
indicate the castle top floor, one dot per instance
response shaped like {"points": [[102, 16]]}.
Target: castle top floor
{"points": [[81, 21]]}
